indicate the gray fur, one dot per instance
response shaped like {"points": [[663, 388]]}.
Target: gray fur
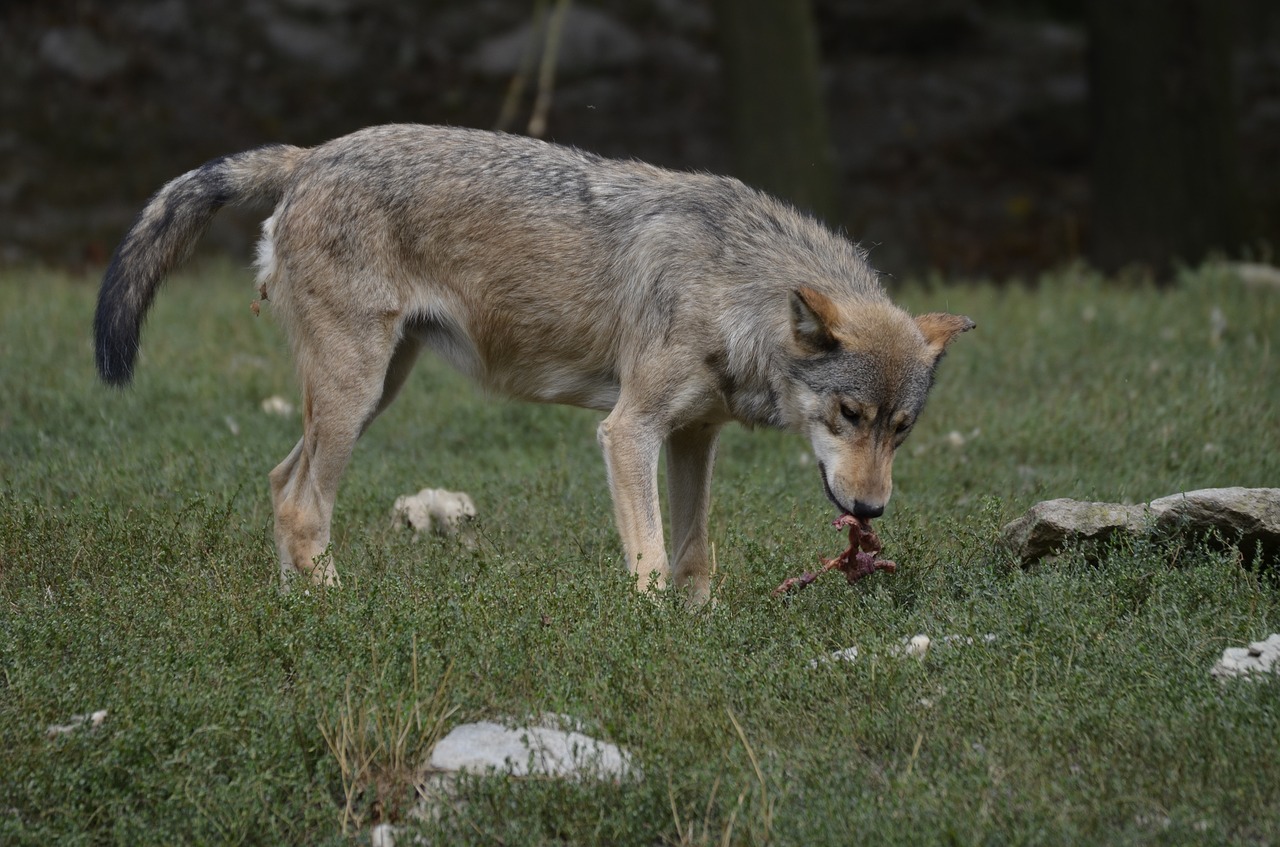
{"points": [[552, 275]]}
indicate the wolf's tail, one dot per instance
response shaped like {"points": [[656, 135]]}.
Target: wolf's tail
{"points": [[164, 235]]}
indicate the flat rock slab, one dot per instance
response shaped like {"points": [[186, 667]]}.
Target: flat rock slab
{"points": [[1243, 516], [1049, 527], [1247, 517], [549, 745], [1257, 661], [487, 747]]}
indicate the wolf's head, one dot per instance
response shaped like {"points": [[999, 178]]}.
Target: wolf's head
{"points": [[859, 375]]}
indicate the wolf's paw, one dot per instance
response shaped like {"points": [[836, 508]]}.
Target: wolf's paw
{"points": [[322, 572]]}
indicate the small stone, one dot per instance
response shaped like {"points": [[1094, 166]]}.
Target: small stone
{"points": [[1259, 659], [445, 513], [848, 654], [93, 720], [486, 746], [1256, 274], [918, 645], [277, 405]]}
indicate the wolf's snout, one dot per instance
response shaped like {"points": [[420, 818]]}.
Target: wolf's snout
{"points": [[850, 505], [867, 511]]}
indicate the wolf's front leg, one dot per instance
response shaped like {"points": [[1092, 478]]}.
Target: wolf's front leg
{"points": [[691, 455], [631, 447]]}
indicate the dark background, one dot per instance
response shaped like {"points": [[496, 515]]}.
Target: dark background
{"points": [[983, 138]]}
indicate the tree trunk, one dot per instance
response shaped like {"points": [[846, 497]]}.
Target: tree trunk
{"points": [[777, 119], [1165, 183]]}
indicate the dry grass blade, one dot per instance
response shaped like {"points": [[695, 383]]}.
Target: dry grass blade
{"points": [[379, 743], [766, 802]]}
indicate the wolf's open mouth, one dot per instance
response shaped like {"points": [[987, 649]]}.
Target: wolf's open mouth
{"points": [[822, 471]]}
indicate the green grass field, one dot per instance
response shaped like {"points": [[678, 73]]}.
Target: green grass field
{"points": [[137, 575]]}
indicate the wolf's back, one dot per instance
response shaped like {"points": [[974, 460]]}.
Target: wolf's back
{"points": [[164, 235]]}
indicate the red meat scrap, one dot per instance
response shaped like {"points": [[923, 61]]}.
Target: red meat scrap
{"points": [[860, 560]]}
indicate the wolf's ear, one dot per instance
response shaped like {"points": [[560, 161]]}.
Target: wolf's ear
{"points": [[812, 316], [940, 329]]}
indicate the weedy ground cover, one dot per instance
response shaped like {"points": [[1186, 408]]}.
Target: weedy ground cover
{"points": [[137, 576]]}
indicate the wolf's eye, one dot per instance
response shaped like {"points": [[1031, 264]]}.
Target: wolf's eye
{"points": [[850, 414], [903, 428]]}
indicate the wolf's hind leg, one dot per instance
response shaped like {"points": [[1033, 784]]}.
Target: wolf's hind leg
{"points": [[631, 448], [691, 455], [402, 362], [345, 373]]}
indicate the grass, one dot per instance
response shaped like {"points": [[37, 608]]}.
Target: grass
{"points": [[137, 576]]}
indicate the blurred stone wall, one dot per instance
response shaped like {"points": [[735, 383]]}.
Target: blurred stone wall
{"points": [[960, 128]]}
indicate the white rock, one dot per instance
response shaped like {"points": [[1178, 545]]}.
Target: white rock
{"points": [[848, 654], [92, 720], [435, 510], [1256, 274], [967, 640], [530, 751], [1254, 661], [387, 835], [916, 646], [277, 405]]}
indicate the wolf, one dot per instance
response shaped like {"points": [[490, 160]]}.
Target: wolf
{"points": [[673, 302]]}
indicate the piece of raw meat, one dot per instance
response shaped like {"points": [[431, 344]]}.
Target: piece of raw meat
{"points": [[860, 560]]}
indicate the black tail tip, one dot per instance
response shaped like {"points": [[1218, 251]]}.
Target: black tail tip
{"points": [[115, 365], [115, 337]]}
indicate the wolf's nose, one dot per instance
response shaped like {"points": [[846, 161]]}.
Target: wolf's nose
{"points": [[866, 510]]}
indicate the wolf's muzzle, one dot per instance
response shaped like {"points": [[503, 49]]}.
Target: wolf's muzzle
{"points": [[860, 509], [866, 511]]}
